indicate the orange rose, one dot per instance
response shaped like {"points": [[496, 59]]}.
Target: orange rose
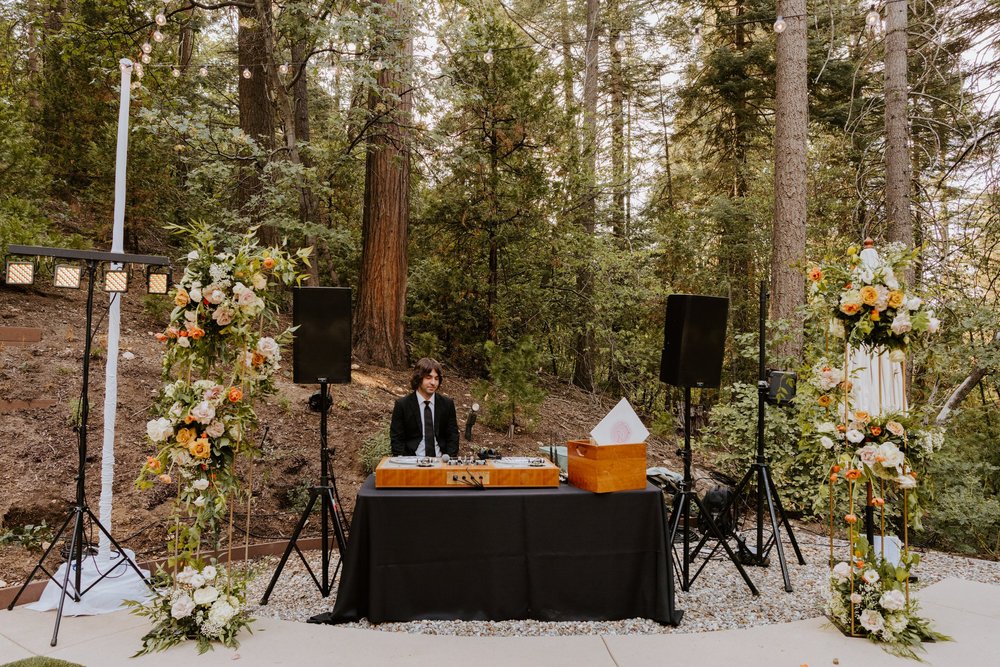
{"points": [[188, 419], [235, 395], [878, 502], [824, 401], [833, 478], [850, 308], [268, 262], [153, 464], [869, 295], [185, 435], [876, 430], [841, 428], [815, 274], [860, 564], [853, 474], [836, 468], [182, 298], [160, 337], [851, 518], [196, 332], [258, 359], [200, 449], [895, 299], [164, 478], [862, 416]]}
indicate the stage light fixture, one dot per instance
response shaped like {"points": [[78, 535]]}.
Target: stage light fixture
{"points": [[67, 276], [116, 280], [157, 280], [20, 272]]}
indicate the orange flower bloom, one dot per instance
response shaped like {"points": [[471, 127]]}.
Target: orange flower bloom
{"points": [[197, 332], [842, 428], [824, 401], [160, 337], [235, 394], [895, 299], [164, 478], [860, 564], [833, 478], [876, 430], [186, 435], [875, 316], [853, 474], [836, 468], [815, 274], [869, 295], [850, 308], [878, 502], [862, 416], [268, 262], [850, 518], [153, 464], [182, 298], [258, 359], [200, 449]]}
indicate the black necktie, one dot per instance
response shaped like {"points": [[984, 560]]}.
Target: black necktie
{"points": [[428, 429]]}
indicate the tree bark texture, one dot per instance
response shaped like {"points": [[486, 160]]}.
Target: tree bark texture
{"points": [[898, 169], [583, 370], [964, 388], [381, 302], [791, 128], [256, 111]]}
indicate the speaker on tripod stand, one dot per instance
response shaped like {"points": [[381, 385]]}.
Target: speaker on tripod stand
{"points": [[321, 355], [694, 339]]}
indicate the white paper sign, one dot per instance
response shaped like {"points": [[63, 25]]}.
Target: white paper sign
{"points": [[620, 426]]}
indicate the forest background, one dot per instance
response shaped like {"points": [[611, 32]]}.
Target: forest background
{"points": [[515, 187]]}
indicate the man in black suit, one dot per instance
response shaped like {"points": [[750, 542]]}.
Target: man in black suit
{"points": [[424, 416]]}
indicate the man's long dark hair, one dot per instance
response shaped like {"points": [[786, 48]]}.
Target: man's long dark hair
{"points": [[422, 369]]}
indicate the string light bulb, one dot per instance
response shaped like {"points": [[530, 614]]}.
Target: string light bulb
{"points": [[203, 71], [696, 40], [247, 73], [488, 57], [146, 47], [378, 65], [620, 44], [780, 25], [175, 72], [145, 58], [283, 68], [873, 19], [157, 36], [138, 69], [161, 19]]}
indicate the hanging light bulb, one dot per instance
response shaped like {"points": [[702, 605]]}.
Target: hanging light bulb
{"points": [[873, 19], [247, 73], [175, 72], [351, 46], [157, 36], [146, 47], [488, 57], [620, 44], [161, 19], [378, 65], [135, 85], [145, 58], [696, 40], [283, 68], [780, 25], [138, 69], [203, 71]]}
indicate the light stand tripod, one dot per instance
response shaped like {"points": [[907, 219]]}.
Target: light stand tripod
{"points": [[680, 520], [80, 511], [330, 509], [764, 488]]}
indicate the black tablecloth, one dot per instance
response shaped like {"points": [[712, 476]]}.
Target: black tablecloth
{"points": [[497, 554]]}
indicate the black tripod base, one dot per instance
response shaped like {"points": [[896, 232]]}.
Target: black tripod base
{"points": [[330, 513]]}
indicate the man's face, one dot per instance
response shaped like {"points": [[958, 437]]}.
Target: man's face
{"points": [[430, 383]]}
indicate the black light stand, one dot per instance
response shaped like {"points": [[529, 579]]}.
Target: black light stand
{"points": [[764, 490], [680, 520], [80, 511], [330, 510]]}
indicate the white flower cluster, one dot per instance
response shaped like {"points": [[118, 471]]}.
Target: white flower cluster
{"points": [[197, 598], [879, 611]]}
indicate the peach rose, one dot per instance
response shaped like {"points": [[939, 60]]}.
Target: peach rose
{"points": [[876, 430], [824, 400], [257, 359], [869, 295], [815, 274], [185, 435], [853, 474], [166, 479], [235, 395], [850, 308], [182, 298], [851, 518], [153, 464], [268, 262], [895, 299], [196, 332], [200, 449]]}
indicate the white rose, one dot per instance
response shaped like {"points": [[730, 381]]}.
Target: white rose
{"points": [[826, 442], [933, 324], [215, 429], [891, 456], [901, 323], [209, 572], [206, 595], [196, 580], [870, 576], [259, 281], [182, 607], [200, 484], [867, 454], [866, 275], [872, 621], [199, 501], [855, 436], [826, 427], [184, 576], [214, 295], [269, 348], [160, 429], [247, 298], [856, 598], [842, 571], [221, 613], [892, 600], [195, 295], [181, 457], [890, 278], [906, 482], [204, 413], [914, 303], [193, 255]]}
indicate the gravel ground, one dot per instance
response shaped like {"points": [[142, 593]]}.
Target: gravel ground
{"points": [[718, 599]]}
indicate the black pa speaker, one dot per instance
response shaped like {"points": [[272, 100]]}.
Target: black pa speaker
{"points": [[322, 346], [694, 340]]}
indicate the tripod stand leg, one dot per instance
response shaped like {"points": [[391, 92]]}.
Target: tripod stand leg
{"points": [[38, 566], [725, 545], [768, 492], [681, 510], [313, 494], [725, 510], [121, 551], [74, 542], [784, 519]]}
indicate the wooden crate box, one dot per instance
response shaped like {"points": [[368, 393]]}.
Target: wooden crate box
{"points": [[606, 468]]}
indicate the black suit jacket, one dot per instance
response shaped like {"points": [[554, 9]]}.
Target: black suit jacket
{"points": [[406, 432]]}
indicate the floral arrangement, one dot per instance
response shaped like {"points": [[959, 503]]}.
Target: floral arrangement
{"points": [[216, 362], [868, 597], [865, 301]]}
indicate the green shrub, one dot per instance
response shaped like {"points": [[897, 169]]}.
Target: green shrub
{"points": [[31, 536], [374, 448], [511, 397]]}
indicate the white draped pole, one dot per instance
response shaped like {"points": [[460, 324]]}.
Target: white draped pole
{"points": [[114, 317]]}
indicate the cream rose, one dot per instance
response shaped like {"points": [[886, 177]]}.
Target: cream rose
{"points": [[160, 429], [206, 595], [892, 600], [872, 621], [182, 607]]}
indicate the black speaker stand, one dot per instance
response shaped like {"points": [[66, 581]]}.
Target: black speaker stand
{"points": [[330, 512], [680, 519], [80, 511], [764, 490]]}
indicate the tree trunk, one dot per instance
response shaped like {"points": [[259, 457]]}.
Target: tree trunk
{"points": [[974, 377], [256, 112], [309, 212], [185, 45], [378, 334], [791, 128], [898, 171], [34, 62], [583, 371], [617, 137]]}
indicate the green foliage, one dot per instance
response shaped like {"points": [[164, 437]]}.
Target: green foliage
{"points": [[511, 397], [374, 448], [41, 661], [30, 536]]}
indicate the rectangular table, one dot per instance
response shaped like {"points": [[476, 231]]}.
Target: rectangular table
{"points": [[554, 554]]}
